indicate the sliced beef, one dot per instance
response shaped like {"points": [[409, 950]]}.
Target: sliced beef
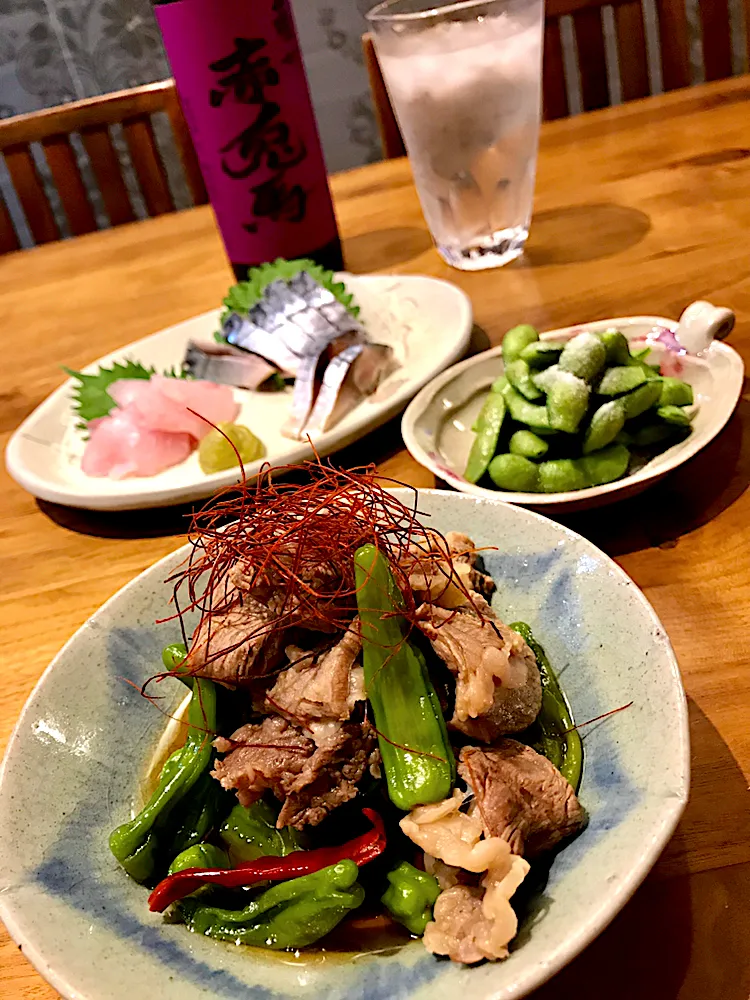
{"points": [[324, 687], [239, 644], [522, 797], [329, 778], [433, 578], [498, 686], [309, 780]]}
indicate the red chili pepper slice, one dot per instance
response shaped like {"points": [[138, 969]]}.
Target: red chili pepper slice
{"points": [[360, 850]]}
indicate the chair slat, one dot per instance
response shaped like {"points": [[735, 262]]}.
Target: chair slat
{"points": [[72, 191], [8, 238], [632, 55], [147, 163], [553, 73], [107, 109], [108, 172], [717, 40], [31, 194], [592, 60], [674, 43], [186, 150], [390, 134]]}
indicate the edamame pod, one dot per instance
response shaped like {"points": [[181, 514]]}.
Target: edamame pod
{"points": [[616, 347], [606, 424], [541, 353], [652, 434], [523, 411], [675, 392], [483, 447], [567, 401], [544, 380], [561, 475], [674, 415], [528, 444], [606, 465], [641, 399], [516, 339], [499, 384], [583, 356], [514, 473], [518, 374], [619, 380]]}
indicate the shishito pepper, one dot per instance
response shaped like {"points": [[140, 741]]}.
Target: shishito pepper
{"points": [[553, 734], [292, 914], [361, 850], [137, 843], [417, 756], [250, 832], [411, 896]]}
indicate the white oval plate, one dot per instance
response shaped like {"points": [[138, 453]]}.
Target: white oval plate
{"points": [[437, 423], [86, 737], [426, 321]]}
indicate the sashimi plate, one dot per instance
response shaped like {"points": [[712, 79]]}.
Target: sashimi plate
{"points": [[73, 763], [426, 321]]}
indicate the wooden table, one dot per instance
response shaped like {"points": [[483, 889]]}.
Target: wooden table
{"points": [[639, 209]]}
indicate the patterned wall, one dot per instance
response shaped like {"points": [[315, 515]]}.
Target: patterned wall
{"points": [[53, 51]]}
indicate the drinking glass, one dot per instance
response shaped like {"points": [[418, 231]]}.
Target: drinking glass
{"points": [[464, 80]]}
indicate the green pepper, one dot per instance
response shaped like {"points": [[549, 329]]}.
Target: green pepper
{"points": [[417, 756], [411, 896], [552, 734], [200, 856], [291, 914], [488, 425], [199, 813], [250, 832], [173, 655], [136, 843]]}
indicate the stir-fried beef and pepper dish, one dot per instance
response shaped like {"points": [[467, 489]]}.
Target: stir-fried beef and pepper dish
{"points": [[365, 736]]}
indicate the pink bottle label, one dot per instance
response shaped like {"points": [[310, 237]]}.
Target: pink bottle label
{"points": [[243, 90]]}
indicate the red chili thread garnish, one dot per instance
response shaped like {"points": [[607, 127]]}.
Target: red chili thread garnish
{"points": [[596, 718], [361, 850], [289, 546]]}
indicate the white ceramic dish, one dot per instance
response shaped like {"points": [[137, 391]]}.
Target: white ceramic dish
{"points": [[85, 739], [427, 321], [437, 423]]}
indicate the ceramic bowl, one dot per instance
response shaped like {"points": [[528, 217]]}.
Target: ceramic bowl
{"points": [[437, 423], [79, 753]]}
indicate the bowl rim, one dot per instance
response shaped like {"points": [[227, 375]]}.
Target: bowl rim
{"points": [[654, 470], [610, 906]]}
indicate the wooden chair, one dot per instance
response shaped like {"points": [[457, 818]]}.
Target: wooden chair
{"points": [[588, 32], [91, 120]]}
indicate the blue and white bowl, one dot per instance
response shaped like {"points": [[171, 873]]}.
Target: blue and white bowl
{"points": [[80, 752]]}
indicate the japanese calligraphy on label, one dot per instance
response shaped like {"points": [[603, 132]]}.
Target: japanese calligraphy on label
{"points": [[242, 86]]}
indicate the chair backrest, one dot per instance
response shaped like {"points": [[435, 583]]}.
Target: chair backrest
{"points": [[91, 120], [587, 21]]}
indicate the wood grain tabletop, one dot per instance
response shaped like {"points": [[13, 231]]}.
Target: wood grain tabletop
{"points": [[639, 209]]}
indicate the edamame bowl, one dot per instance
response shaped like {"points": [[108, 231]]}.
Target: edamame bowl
{"points": [[579, 416]]}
